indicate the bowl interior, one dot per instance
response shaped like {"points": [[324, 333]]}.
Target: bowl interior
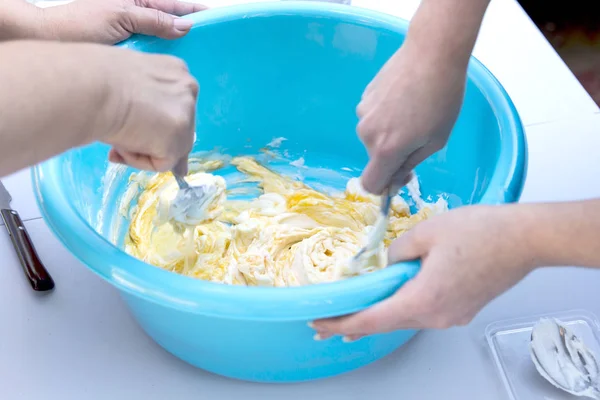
{"points": [[300, 77], [298, 72]]}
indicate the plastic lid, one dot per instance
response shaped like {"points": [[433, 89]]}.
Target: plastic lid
{"points": [[509, 344]]}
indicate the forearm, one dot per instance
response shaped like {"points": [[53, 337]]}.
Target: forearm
{"points": [[563, 234], [48, 101], [20, 20], [445, 31]]}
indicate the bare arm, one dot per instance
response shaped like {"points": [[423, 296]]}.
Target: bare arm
{"points": [[562, 234], [446, 30], [48, 101]]}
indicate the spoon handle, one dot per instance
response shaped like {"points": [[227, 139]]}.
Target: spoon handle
{"points": [[386, 202], [181, 182]]}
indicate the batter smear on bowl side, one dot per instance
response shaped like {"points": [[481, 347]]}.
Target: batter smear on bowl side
{"points": [[290, 235]]}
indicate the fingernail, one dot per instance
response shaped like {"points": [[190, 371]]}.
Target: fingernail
{"points": [[310, 324], [322, 336], [350, 339], [182, 24]]}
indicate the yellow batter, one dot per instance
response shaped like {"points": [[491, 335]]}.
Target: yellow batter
{"points": [[291, 235]]}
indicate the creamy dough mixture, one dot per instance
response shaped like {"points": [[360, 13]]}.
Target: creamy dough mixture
{"points": [[290, 235]]}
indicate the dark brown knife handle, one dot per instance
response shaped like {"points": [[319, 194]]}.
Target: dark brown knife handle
{"points": [[38, 276]]}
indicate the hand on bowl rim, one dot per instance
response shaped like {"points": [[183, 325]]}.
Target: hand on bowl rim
{"points": [[112, 21], [469, 256]]}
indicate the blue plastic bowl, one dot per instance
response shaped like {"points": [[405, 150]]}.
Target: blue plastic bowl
{"points": [[266, 70]]}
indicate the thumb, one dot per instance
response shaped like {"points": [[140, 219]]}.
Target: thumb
{"points": [[152, 22], [409, 246]]}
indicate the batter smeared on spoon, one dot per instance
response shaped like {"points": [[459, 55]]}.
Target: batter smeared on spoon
{"points": [[564, 360], [191, 203]]}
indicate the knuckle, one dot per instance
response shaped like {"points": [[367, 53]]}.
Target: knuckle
{"points": [[363, 129], [180, 121], [412, 238], [367, 139], [124, 15], [385, 151], [361, 109], [122, 12], [193, 86], [420, 236], [161, 19]]}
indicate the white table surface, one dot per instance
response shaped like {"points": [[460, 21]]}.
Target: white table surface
{"points": [[80, 343]]}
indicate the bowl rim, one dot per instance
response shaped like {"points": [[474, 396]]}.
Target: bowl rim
{"points": [[135, 277]]}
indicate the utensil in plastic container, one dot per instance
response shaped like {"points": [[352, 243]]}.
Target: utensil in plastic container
{"points": [[508, 343]]}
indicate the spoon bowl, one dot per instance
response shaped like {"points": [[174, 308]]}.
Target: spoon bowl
{"points": [[189, 205], [564, 360]]}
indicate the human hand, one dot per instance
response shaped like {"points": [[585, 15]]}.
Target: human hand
{"points": [[468, 257], [112, 21], [406, 114], [149, 111]]}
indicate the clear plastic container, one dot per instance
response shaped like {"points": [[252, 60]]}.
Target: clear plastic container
{"points": [[509, 344]]}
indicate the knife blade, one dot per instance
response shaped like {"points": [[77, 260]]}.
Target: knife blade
{"points": [[36, 273]]}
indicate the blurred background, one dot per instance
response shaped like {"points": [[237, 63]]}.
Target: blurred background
{"points": [[573, 29]]}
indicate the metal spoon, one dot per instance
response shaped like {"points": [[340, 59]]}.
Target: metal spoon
{"points": [[376, 235], [564, 360], [181, 182], [188, 205]]}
